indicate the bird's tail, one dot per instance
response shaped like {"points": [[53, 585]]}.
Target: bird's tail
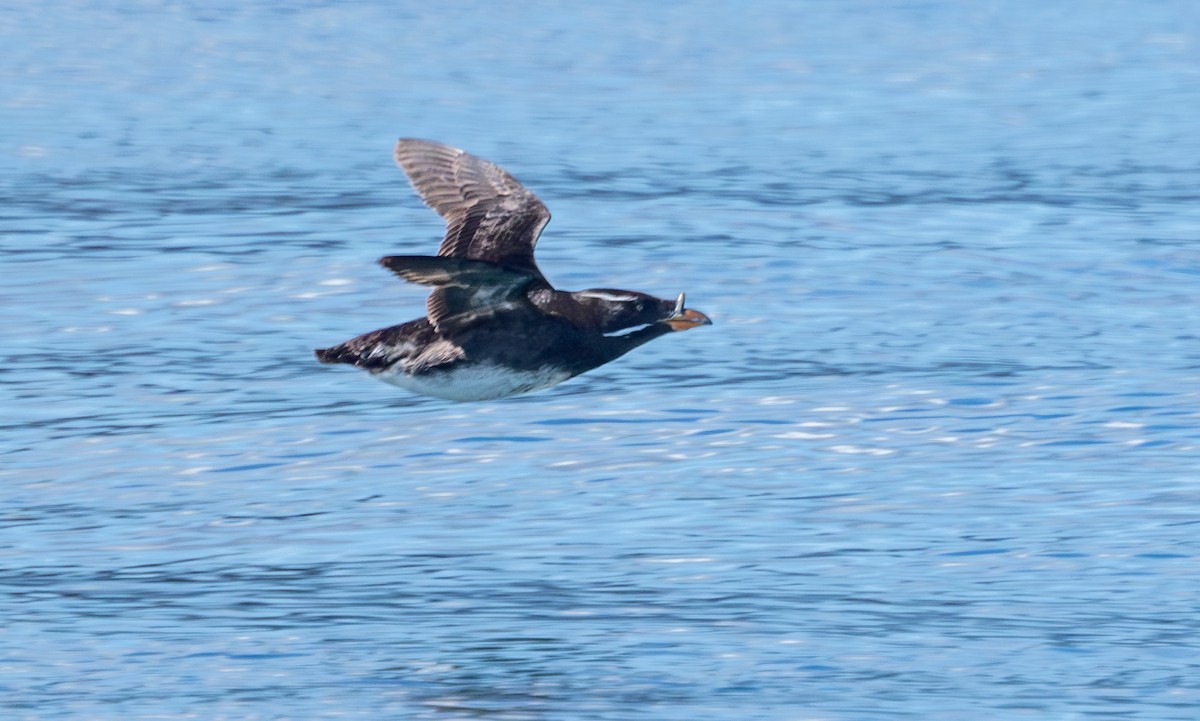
{"points": [[336, 354]]}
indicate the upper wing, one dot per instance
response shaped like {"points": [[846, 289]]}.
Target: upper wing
{"points": [[489, 215]]}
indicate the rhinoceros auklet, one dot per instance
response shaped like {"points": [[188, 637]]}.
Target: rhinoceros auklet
{"points": [[494, 326]]}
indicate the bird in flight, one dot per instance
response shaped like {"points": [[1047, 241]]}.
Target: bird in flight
{"points": [[494, 326]]}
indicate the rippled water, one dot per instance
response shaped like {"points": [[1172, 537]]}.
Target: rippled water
{"points": [[936, 459]]}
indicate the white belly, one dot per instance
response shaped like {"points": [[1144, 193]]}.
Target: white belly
{"points": [[475, 382]]}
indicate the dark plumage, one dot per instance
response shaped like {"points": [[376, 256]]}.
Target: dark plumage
{"points": [[494, 325]]}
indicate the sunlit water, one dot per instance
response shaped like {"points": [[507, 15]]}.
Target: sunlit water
{"points": [[936, 459]]}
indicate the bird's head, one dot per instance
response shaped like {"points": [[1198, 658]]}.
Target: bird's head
{"points": [[617, 310]]}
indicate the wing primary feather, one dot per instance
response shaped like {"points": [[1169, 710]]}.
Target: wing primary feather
{"points": [[436, 270], [461, 286]]}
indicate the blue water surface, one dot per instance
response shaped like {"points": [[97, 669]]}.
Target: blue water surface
{"points": [[936, 459]]}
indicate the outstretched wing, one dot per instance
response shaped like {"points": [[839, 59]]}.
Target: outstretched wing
{"points": [[465, 291], [489, 215]]}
